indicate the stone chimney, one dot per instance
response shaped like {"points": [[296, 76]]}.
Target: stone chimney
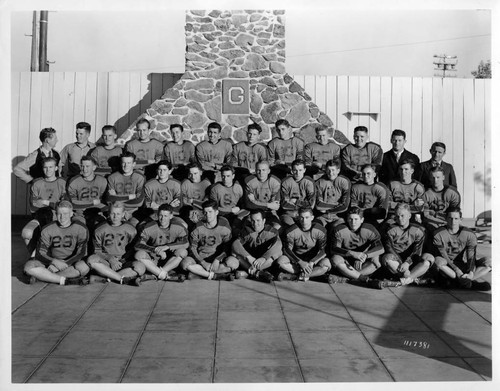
{"points": [[235, 75]]}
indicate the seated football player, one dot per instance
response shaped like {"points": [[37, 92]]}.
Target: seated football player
{"points": [[247, 153], [113, 256], [163, 189], [372, 197], [297, 191], [179, 152], [403, 243], [355, 250], [284, 149], [86, 192], [213, 153], [107, 155], [163, 245], [316, 154], [456, 259], [262, 192], [228, 193], [210, 245], [127, 186], [257, 247], [147, 150], [62, 245], [333, 195], [194, 194], [437, 200], [304, 255], [72, 153]]}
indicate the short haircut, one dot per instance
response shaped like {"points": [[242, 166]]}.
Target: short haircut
{"points": [[194, 165], [438, 144], [257, 211], [372, 166], [360, 129], [117, 205], [254, 126], [109, 127], [298, 162], [226, 167], [49, 159], [128, 154], [164, 163], [355, 211], [282, 122], [210, 204], [320, 128], [64, 204], [404, 206], [333, 163], [46, 133], [89, 159], [437, 169], [177, 126], [143, 121], [407, 161], [83, 125], [398, 132], [214, 125], [454, 209], [166, 207], [305, 209], [266, 162]]}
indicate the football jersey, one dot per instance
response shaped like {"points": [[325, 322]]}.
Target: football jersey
{"points": [[71, 156], [407, 193], [124, 186], [404, 242], [153, 236], [318, 153], [162, 193], [196, 191], [226, 197], [258, 242], [459, 247], [65, 244], [113, 240], [206, 241], [306, 244], [369, 196], [354, 158], [82, 192], [150, 150], [42, 189], [108, 160], [285, 151], [365, 238], [264, 192], [179, 155], [303, 190], [247, 156], [439, 201], [333, 195], [219, 153]]}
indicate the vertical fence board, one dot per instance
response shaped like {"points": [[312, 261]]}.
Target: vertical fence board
{"points": [[364, 100], [455, 155], [123, 101], [23, 136], [69, 123], [406, 106], [478, 146], [310, 86], [353, 100], [469, 134], [35, 112], [487, 142], [427, 136], [343, 106], [14, 110], [156, 86], [331, 100], [319, 97], [415, 137], [47, 83], [101, 116], [437, 109], [385, 107], [113, 99], [91, 105], [79, 107], [396, 122], [134, 96], [374, 122], [145, 92], [57, 107]]}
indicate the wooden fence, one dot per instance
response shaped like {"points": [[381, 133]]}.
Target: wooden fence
{"points": [[454, 111]]}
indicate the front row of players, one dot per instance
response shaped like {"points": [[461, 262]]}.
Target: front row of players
{"points": [[164, 250]]}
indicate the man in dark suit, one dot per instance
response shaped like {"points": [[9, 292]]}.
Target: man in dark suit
{"points": [[438, 150], [390, 162]]}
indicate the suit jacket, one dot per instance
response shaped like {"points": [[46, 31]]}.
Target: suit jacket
{"points": [[389, 170], [449, 174]]}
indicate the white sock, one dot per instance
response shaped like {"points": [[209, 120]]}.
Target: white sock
{"points": [[211, 275], [163, 275], [62, 281]]}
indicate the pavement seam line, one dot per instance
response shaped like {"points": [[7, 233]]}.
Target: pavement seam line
{"points": [[363, 334], [141, 333], [289, 334], [42, 361], [216, 334], [29, 299], [468, 306]]}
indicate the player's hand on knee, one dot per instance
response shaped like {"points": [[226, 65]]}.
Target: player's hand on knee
{"points": [[115, 264], [258, 263], [60, 265]]}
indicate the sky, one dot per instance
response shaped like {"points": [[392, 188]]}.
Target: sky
{"points": [[320, 41]]}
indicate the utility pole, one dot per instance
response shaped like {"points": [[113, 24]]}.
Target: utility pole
{"points": [[34, 44], [445, 65], [43, 64]]}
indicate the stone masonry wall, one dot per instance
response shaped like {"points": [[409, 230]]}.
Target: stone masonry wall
{"points": [[238, 44]]}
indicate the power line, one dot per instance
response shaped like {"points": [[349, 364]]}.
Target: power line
{"points": [[388, 46]]}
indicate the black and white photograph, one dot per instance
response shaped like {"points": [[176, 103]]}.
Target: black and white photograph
{"points": [[249, 193]]}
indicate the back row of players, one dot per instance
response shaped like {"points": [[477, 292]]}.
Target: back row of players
{"points": [[246, 208]]}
